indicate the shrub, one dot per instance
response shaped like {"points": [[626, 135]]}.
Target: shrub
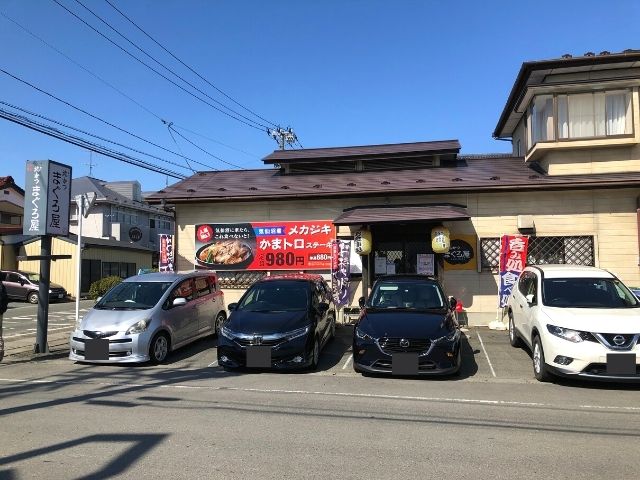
{"points": [[102, 286]]}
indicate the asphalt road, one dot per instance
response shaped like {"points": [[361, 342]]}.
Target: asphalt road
{"points": [[190, 419]]}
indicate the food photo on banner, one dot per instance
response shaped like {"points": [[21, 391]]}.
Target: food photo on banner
{"points": [[165, 263], [304, 245], [513, 259], [340, 271]]}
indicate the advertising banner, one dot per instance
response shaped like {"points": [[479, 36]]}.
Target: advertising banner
{"points": [[165, 263], [462, 253], [513, 259], [47, 197], [340, 271], [304, 245]]}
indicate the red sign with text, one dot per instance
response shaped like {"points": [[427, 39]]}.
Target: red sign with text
{"points": [[304, 245]]}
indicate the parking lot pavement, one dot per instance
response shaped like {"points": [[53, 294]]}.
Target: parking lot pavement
{"points": [[20, 325], [486, 354]]}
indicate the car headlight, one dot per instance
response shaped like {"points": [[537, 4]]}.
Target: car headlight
{"points": [[49, 290], [566, 333], [363, 336], [300, 332], [450, 337], [226, 333], [139, 327]]}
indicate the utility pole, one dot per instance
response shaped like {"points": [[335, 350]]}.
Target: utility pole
{"points": [[91, 164], [283, 136]]}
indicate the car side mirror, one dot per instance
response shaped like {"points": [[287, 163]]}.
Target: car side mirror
{"points": [[531, 299], [361, 302], [22, 281], [179, 301], [453, 303], [232, 306]]}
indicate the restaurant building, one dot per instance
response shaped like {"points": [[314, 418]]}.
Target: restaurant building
{"points": [[571, 183]]}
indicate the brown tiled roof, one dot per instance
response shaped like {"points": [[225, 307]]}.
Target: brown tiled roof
{"points": [[568, 61], [400, 213], [483, 174], [7, 182], [427, 148]]}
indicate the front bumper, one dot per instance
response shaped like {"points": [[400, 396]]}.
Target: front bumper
{"points": [[286, 355], [589, 359], [439, 359], [122, 348]]}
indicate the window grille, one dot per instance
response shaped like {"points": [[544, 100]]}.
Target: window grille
{"points": [[573, 250]]}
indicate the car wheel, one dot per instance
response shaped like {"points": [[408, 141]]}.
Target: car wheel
{"points": [[159, 348], [315, 355], [33, 297], [514, 339], [220, 318], [458, 363], [540, 369]]}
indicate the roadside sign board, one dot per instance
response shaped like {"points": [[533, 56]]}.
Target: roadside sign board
{"points": [[47, 198]]}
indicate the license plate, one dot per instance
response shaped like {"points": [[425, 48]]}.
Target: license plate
{"points": [[404, 364], [259, 356], [96, 349], [621, 363]]}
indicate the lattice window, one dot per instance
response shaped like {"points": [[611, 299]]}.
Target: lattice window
{"points": [[574, 250], [239, 279]]}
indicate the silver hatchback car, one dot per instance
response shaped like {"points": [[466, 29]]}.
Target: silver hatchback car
{"points": [[147, 316]]}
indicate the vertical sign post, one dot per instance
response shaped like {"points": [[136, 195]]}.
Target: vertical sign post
{"points": [[46, 213], [513, 259]]}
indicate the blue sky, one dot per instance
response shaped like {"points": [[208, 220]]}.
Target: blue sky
{"points": [[339, 72]]}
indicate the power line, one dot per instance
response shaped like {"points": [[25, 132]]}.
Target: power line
{"points": [[110, 85], [90, 114], [185, 65], [80, 142], [174, 141], [202, 149], [157, 72], [38, 115]]}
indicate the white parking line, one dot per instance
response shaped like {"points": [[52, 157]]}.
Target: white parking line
{"points": [[458, 400], [493, 372], [213, 364], [348, 361], [33, 330]]}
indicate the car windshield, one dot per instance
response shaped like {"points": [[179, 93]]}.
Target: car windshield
{"points": [[587, 293], [133, 296], [276, 296], [33, 277], [419, 295]]}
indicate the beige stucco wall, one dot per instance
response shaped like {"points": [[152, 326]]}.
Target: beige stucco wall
{"points": [[608, 215], [63, 272], [8, 257]]}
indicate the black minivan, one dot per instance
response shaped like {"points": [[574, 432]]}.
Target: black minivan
{"points": [[281, 322], [407, 327]]}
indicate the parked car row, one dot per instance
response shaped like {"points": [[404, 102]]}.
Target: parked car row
{"points": [[577, 322]]}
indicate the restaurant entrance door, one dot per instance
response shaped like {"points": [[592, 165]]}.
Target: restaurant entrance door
{"points": [[403, 248]]}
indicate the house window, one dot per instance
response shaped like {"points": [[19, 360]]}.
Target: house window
{"points": [[573, 250], [118, 269], [579, 115]]}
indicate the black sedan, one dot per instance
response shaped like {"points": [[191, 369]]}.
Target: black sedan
{"points": [[407, 327], [280, 322]]}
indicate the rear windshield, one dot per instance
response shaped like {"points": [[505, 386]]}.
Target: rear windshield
{"points": [[133, 296], [587, 293], [276, 296], [420, 295]]}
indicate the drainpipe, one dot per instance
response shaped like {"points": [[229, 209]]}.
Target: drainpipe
{"points": [[638, 226]]}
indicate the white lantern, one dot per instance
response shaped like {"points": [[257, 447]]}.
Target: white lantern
{"points": [[440, 241]]}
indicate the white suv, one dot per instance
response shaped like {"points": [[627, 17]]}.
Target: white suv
{"points": [[577, 321]]}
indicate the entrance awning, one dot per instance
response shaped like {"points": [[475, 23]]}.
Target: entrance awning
{"points": [[401, 214]]}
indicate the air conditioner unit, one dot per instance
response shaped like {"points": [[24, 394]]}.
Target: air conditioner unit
{"points": [[526, 224]]}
